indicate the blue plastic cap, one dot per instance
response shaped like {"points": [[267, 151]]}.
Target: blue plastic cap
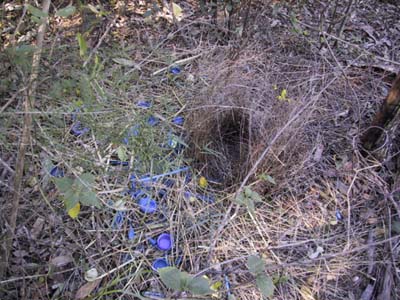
{"points": [[131, 233], [160, 263], [152, 121], [175, 70], [164, 242], [77, 129], [57, 172], [143, 104], [147, 205], [178, 120], [339, 215]]}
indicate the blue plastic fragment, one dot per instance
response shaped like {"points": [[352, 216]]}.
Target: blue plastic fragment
{"points": [[143, 104], [169, 182], [339, 215], [178, 120], [136, 193], [152, 241], [156, 177], [152, 121], [77, 129], [178, 261], [151, 294], [57, 172], [118, 219], [162, 193], [160, 263], [147, 205], [175, 70], [227, 284], [131, 233], [118, 163]]}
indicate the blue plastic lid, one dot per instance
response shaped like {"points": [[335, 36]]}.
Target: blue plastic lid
{"points": [[147, 205], [164, 242], [57, 172], [175, 70], [178, 120], [160, 263]]}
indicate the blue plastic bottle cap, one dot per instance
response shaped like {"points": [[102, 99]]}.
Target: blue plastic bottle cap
{"points": [[175, 70], [57, 172], [160, 263], [178, 120], [164, 242], [147, 205]]}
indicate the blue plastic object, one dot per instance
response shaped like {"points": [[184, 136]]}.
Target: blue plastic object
{"points": [[153, 295], [339, 215], [118, 219], [152, 241], [178, 120], [152, 121], [57, 172], [147, 205], [175, 70], [77, 129], [160, 263], [143, 104], [133, 131], [131, 233], [118, 163], [164, 242]]}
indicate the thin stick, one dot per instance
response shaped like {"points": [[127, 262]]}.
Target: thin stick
{"points": [[29, 103]]}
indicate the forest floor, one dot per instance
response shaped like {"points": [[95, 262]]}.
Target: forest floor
{"points": [[222, 141]]}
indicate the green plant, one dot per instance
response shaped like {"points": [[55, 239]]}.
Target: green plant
{"points": [[248, 198], [182, 281], [76, 191], [264, 283]]}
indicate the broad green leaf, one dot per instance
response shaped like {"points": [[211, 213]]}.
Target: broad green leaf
{"points": [[70, 199], [63, 184], [66, 11], [256, 197], [247, 191], [265, 285], [73, 212], [89, 198], [87, 179], [199, 286], [171, 277], [240, 199], [250, 206], [268, 178], [255, 265], [121, 152], [36, 12], [82, 45]]}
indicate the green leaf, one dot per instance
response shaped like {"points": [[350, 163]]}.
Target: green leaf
{"points": [[82, 45], [124, 62], [240, 199], [87, 179], [250, 206], [256, 197], [199, 286], [121, 152], [70, 199], [255, 265], [66, 11], [89, 198], [231, 297], [265, 285], [247, 191], [63, 184], [36, 12], [171, 277]]}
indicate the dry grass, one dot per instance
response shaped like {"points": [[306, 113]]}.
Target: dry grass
{"points": [[235, 108]]}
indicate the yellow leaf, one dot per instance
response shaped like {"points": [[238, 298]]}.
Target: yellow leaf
{"points": [[177, 10], [203, 182], [73, 212], [216, 286]]}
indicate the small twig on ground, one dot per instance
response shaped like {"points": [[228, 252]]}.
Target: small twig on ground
{"points": [[29, 103], [178, 62]]}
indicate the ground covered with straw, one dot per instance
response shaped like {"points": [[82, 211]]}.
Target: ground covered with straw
{"points": [[233, 133]]}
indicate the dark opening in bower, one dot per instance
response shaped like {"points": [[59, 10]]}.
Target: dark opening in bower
{"points": [[221, 146]]}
